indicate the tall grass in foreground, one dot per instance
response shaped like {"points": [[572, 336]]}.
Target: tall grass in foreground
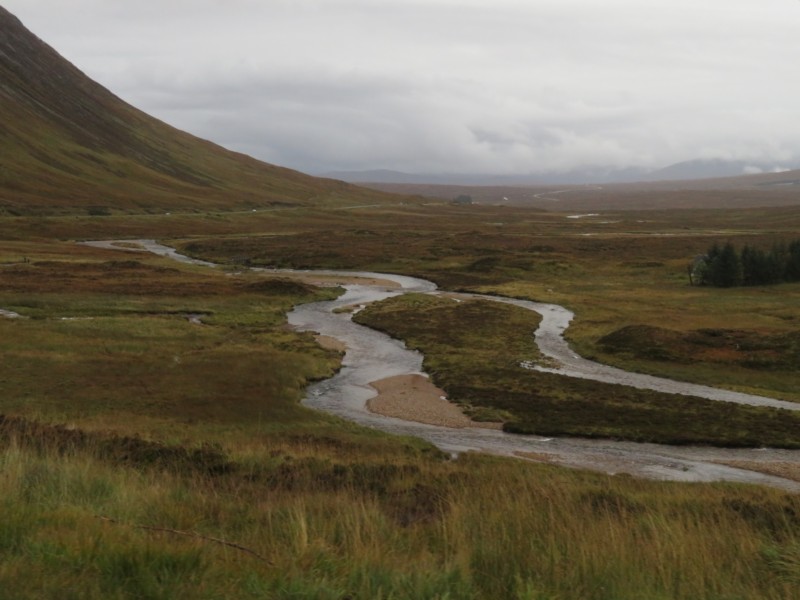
{"points": [[235, 491], [340, 528]]}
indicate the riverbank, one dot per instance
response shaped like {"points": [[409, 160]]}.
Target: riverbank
{"points": [[372, 356], [415, 398]]}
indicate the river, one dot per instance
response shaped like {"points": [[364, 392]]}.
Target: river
{"points": [[372, 356]]}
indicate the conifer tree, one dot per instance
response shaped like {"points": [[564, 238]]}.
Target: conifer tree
{"points": [[725, 269]]}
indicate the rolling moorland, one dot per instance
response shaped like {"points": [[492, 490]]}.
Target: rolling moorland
{"points": [[746, 191], [152, 439]]}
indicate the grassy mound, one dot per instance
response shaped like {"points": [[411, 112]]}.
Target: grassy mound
{"points": [[473, 350], [745, 348]]}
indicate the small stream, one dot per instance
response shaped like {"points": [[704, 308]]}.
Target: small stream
{"points": [[550, 339], [372, 356]]}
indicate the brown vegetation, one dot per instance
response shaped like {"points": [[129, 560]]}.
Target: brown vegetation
{"points": [[751, 191], [749, 349], [123, 450], [182, 436]]}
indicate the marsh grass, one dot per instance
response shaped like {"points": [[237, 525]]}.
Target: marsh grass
{"points": [[477, 527], [109, 337], [630, 270], [474, 350], [336, 510]]}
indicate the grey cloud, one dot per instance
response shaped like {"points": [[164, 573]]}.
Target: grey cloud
{"points": [[446, 85]]}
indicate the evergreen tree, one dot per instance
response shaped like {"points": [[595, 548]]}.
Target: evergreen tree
{"points": [[775, 267], [793, 262], [725, 269], [754, 266]]}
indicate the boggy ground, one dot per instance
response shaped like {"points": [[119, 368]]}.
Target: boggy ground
{"points": [[475, 350], [335, 514], [613, 270], [323, 508], [138, 336], [748, 349]]}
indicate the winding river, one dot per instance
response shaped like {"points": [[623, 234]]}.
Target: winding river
{"points": [[371, 356]]}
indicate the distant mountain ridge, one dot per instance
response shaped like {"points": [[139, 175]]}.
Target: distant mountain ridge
{"points": [[716, 168], [771, 189], [67, 144], [686, 170]]}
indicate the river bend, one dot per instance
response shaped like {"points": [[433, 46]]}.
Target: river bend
{"points": [[371, 356]]}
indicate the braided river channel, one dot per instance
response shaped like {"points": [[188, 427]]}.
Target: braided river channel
{"points": [[371, 356]]}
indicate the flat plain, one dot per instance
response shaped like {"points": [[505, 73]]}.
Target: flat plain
{"points": [[153, 443], [146, 454]]}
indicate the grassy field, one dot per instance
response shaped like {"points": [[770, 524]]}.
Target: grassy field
{"points": [[321, 518], [619, 270], [152, 443], [474, 351], [109, 335], [147, 456]]}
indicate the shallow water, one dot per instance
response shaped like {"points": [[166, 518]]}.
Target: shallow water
{"points": [[551, 342], [372, 356]]}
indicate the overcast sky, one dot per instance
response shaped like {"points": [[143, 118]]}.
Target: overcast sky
{"points": [[459, 86]]}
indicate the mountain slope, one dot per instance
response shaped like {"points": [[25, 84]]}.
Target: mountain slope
{"points": [[67, 143]]}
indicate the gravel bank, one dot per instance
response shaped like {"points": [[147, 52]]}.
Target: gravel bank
{"points": [[415, 398]]}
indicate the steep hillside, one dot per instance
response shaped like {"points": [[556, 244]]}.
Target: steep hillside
{"points": [[67, 144]]}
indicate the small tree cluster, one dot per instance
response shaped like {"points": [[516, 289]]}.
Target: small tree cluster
{"points": [[725, 266]]}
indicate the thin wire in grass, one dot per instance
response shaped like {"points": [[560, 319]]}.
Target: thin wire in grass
{"points": [[190, 534]]}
